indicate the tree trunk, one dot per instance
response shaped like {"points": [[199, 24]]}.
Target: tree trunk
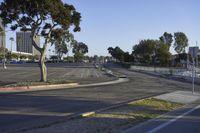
{"points": [[43, 69]]}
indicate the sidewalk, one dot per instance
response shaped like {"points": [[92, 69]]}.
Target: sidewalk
{"points": [[182, 120]]}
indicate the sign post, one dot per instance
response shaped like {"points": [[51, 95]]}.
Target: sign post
{"points": [[193, 51], [193, 74]]}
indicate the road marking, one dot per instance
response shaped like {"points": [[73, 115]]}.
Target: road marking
{"points": [[87, 73], [97, 75], [81, 75], [172, 120], [66, 74]]}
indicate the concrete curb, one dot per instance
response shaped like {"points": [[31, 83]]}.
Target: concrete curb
{"points": [[58, 86], [87, 114], [35, 88]]}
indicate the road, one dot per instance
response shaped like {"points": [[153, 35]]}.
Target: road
{"points": [[184, 120], [33, 109]]}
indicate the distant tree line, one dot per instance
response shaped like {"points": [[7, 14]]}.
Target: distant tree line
{"points": [[154, 51]]}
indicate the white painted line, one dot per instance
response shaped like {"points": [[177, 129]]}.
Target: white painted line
{"points": [[81, 75], [172, 120], [66, 74], [51, 73], [97, 75]]}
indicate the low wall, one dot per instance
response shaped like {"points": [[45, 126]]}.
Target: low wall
{"points": [[162, 70]]}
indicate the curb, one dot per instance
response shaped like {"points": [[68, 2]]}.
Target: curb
{"points": [[35, 88], [86, 114], [120, 79], [58, 86]]}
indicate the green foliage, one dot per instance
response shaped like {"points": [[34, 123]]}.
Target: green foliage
{"points": [[79, 50], [151, 52], [181, 42], [116, 53], [145, 50], [69, 58], [167, 38], [2, 52], [128, 57], [163, 55], [78, 57], [31, 14], [80, 47], [23, 56], [120, 55], [14, 56], [63, 44]]}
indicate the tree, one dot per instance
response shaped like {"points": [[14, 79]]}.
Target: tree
{"points": [[79, 49], [63, 45], [14, 56], [145, 50], [70, 59], [50, 19], [181, 42], [117, 53], [128, 57], [2, 52], [163, 55], [167, 39]]}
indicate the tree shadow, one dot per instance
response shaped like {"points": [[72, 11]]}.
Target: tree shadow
{"points": [[21, 111]]}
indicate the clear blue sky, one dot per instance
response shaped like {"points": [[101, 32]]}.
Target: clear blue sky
{"points": [[124, 22]]}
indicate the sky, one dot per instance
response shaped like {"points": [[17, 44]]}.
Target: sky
{"points": [[124, 23]]}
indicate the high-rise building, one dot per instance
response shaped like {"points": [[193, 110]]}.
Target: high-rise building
{"points": [[2, 35], [24, 42]]}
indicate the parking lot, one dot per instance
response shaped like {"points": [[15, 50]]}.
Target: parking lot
{"points": [[81, 73]]}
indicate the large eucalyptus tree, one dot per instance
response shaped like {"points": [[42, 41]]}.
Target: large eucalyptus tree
{"points": [[49, 19]]}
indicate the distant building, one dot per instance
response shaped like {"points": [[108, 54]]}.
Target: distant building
{"points": [[194, 51], [2, 35], [24, 42]]}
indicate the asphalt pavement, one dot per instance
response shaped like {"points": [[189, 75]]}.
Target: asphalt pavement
{"points": [[29, 110], [81, 73], [184, 120]]}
